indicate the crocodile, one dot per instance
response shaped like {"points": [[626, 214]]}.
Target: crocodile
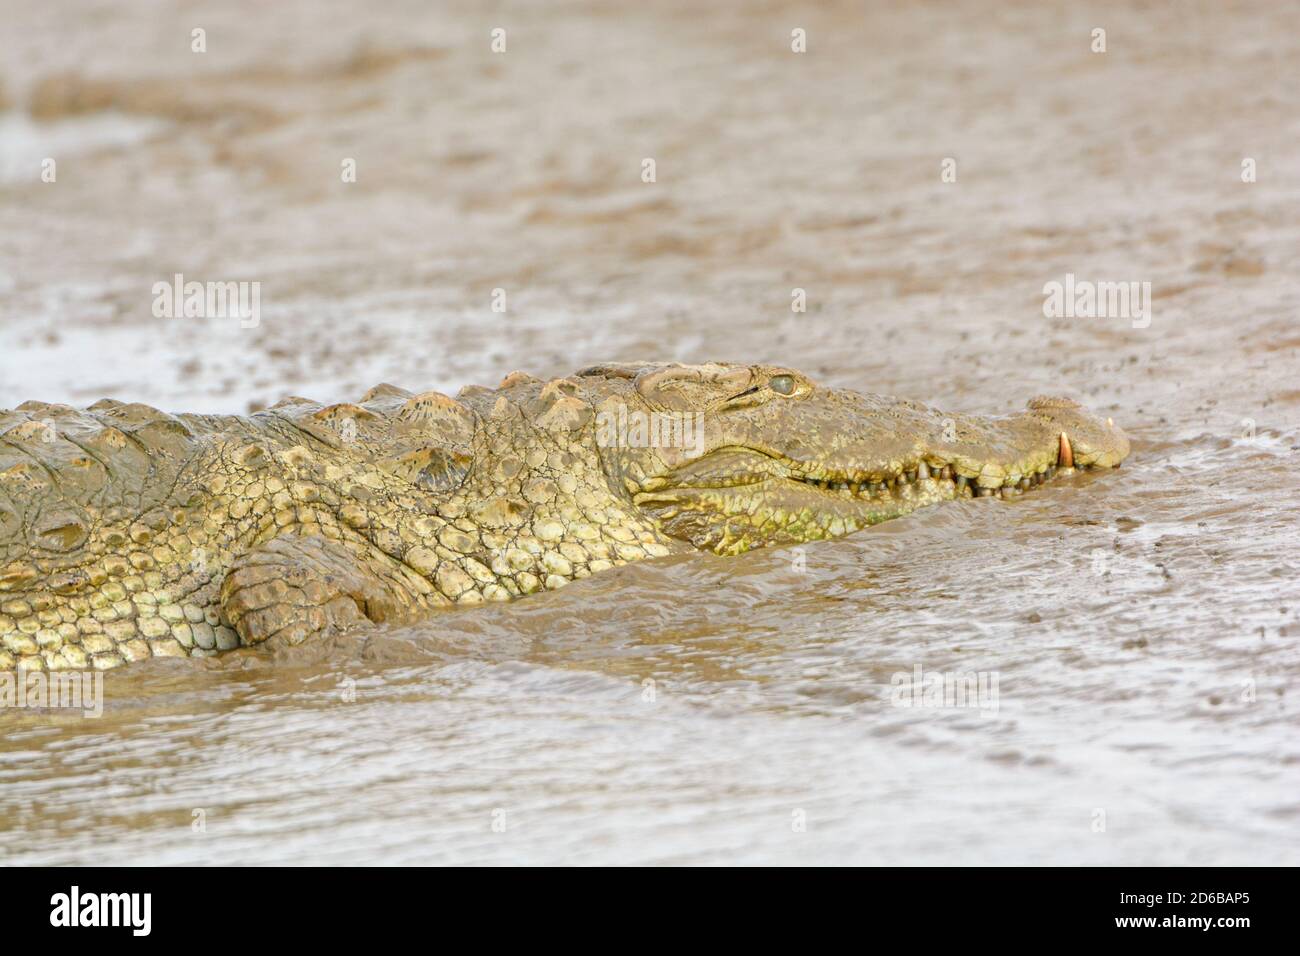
{"points": [[128, 533]]}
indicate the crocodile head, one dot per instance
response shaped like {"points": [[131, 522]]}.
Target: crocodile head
{"points": [[734, 457]]}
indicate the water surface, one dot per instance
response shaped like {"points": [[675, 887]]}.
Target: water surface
{"points": [[1143, 625]]}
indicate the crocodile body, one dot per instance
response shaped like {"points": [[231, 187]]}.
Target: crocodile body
{"points": [[128, 533]]}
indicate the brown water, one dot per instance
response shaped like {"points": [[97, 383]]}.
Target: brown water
{"points": [[1143, 625]]}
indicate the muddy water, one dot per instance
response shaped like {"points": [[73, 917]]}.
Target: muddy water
{"points": [[1143, 626]]}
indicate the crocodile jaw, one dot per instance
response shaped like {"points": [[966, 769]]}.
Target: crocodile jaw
{"points": [[738, 498]]}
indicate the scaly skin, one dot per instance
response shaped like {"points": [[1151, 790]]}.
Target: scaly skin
{"points": [[127, 533]]}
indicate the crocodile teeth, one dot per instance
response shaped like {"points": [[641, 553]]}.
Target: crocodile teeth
{"points": [[1067, 453], [902, 485]]}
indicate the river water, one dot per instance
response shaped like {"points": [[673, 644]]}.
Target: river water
{"points": [[1137, 632]]}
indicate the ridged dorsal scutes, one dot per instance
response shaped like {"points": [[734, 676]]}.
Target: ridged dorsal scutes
{"points": [[35, 449], [425, 439], [472, 392], [560, 405], [566, 414], [436, 408], [384, 390], [343, 410], [385, 399], [63, 471], [38, 410], [157, 433], [431, 442], [333, 425], [295, 403], [31, 431], [433, 469], [518, 378]]}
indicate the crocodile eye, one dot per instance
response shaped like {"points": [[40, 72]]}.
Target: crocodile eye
{"points": [[782, 384]]}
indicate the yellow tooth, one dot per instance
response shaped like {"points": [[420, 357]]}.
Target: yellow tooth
{"points": [[1067, 453]]}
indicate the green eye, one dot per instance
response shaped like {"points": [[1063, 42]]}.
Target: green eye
{"points": [[782, 384]]}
